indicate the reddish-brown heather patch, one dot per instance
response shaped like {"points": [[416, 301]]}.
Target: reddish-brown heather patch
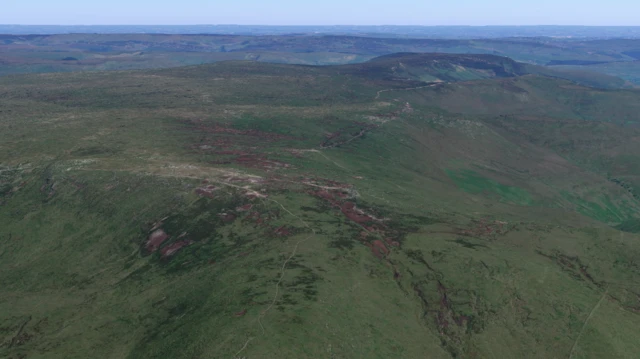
{"points": [[350, 211], [206, 191], [376, 252], [378, 243], [324, 194], [173, 248], [155, 240], [244, 208], [282, 231], [259, 162], [232, 152], [252, 216], [227, 217], [379, 249], [484, 227], [447, 312], [370, 224]]}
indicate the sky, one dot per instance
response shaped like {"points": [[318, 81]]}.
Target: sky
{"points": [[321, 12]]}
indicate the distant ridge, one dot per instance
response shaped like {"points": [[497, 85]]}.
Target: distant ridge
{"points": [[445, 32], [439, 67]]}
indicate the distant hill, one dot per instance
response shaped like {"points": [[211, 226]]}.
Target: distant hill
{"points": [[43, 53], [439, 67]]}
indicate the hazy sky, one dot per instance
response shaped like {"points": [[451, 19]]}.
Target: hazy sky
{"points": [[321, 12]]}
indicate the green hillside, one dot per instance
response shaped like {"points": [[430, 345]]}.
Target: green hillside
{"points": [[414, 205]]}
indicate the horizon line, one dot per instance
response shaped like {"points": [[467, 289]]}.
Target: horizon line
{"points": [[332, 25]]}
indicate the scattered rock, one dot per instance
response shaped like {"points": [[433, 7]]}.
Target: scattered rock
{"points": [[155, 240]]}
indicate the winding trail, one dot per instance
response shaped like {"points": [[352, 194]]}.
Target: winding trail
{"points": [[284, 265], [595, 308], [282, 272], [407, 89], [243, 348], [330, 160]]}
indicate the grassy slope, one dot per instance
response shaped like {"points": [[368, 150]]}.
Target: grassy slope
{"points": [[503, 247]]}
